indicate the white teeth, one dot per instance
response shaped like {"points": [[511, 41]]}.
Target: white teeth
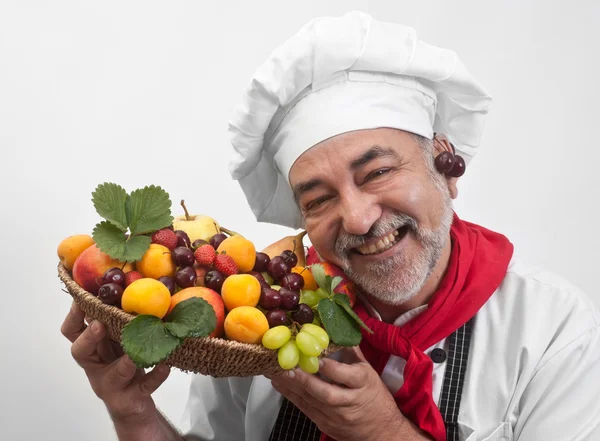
{"points": [[396, 233], [390, 237], [372, 248], [381, 245], [386, 241]]}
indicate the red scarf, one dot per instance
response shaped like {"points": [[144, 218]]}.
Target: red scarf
{"points": [[478, 264]]}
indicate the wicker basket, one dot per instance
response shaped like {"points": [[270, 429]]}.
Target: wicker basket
{"points": [[216, 357]]}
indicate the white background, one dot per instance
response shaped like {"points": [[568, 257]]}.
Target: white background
{"points": [[140, 93]]}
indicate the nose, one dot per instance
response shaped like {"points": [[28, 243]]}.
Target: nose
{"points": [[359, 211]]}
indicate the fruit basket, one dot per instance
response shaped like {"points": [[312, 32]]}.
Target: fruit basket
{"points": [[198, 297]]}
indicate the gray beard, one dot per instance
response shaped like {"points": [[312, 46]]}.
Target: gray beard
{"points": [[401, 277]]}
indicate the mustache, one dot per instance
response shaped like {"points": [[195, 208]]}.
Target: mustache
{"points": [[345, 242]]}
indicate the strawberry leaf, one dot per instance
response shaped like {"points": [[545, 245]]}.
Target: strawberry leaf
{"points": [[344, 302], [109, 201], [193, 317], [148, 210], [135, 248], [335, 282], [110, 239], [318, 273], [341, 327], [147, 341]]}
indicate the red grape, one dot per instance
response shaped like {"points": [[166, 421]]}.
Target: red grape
{"points": [[185, 277], [277, 317], [114, 275], [183, 240], [214, 280], [304, 314], [183, 256], [168, 282], [261, 262], [277, 268], [198, 243], [111, 293], [269, 298], [290, 258], [216, 240], [292, 281], [289, 299]]}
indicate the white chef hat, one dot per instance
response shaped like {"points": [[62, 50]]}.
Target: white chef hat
{"points": [[338, 75]]}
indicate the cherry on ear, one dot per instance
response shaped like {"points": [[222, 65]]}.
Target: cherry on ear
{"points": [[459, 167]]}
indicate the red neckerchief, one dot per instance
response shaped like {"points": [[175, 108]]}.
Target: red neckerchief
{"points": [[478, 264]]}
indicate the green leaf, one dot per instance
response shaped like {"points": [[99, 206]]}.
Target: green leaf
{"points": [[148, 209], [342, 329], [319, 274], [146, 340], [335, 282], [193, 317], [109, 201], [344, 302], [135, 248], [110, 239]]}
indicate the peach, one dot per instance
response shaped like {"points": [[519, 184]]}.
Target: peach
{"points": [[91, 265], [156, 262], [210, 296], [71, 247], [246, 324], [346, 286], [200, 273]]}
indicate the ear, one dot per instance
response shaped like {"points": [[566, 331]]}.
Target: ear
{"points": [[440, 144]]}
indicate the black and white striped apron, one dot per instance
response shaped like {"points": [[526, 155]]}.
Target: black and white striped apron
{"points": [[293, 425]]}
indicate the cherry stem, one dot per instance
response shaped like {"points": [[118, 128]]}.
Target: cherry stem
{"points": [[187, 215]]}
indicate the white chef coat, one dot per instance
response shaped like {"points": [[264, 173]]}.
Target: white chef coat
{"points": [[533, 372]]}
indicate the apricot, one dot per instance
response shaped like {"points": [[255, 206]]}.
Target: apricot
{"points": [[241, 250], [240, 290], [146, 296], [91, 265], [71, 247], [156, 262], [246, 324], [309, 280], [210, 296]]}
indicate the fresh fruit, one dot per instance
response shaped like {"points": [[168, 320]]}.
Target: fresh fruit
{"points": [[277, 317], [318, 333], [289, 299], [309, 280], [211, 297], [277, 268], [290, 258], [276, 337], [71, 247], [205, 255], [261, 261], [114, 275], [304, 314], [308, 344], [288, 355], [346, 287], [225, 265], [165, 237], [196, 226], [270, 281], [216, 240], [241, 250], [246, 324], [131, 277], [198, 243], [214, 280], [91, 265], [146, 296], [156, 262], [309, 298], [240, 290], [258, 276], [269, 299], [110, 293], [185, 277], [183, 256], [169, 283], [293, 243], [292, 281], [183, 240], [310, 365], [201, 272]]}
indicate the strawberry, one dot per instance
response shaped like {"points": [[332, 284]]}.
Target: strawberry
{"points": [[131, 277], [205, 255], [225, 265], [165, 237]]}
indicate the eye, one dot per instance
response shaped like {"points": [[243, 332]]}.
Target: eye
{"points": [[316, 203], [377, 173]]}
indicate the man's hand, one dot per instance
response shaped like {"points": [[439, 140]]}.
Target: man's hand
{"points": [[355, 406]]}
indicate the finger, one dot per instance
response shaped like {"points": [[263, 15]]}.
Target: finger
{"points": [[106, 351], [73, 325], [84, 349], [120, 372], [312, 387], [153, 379], [354, 376]]}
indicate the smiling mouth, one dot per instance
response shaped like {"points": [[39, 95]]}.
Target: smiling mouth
{"points": [[382, 243]]}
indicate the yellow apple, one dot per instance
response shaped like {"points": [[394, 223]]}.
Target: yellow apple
{"points": [[197, 226]]}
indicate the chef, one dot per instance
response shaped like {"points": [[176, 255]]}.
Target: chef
{"points": [[358, 131]]}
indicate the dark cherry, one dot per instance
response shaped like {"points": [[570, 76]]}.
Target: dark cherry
{"points": [[216, 240], [185, 277], [258, 276], [114, 275], [292, 281], [269, 299], [290, 258], [304, 314], [183, 256], [214, 280], [110, 294], [169, 283], [444, 162], [198, 243], [277, 268], [289, 299], [277, 317], [183, 240], [459, 167], [261, 262]]}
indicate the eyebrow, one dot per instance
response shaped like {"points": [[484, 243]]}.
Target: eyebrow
{"points": [[305, 186]]}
